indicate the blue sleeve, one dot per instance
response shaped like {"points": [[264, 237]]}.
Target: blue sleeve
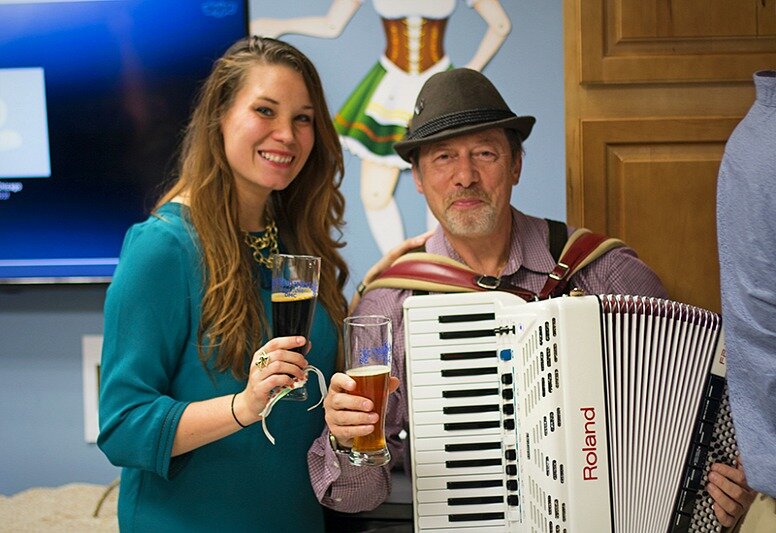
{"points": [[147, 323]]}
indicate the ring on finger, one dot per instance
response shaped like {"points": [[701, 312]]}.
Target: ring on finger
{"points": [[263, 359]]}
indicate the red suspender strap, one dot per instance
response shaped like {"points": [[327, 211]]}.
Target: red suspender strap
{"points": [[582, 248]]}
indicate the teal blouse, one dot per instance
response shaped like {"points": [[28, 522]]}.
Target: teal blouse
{"points": [[150, 373]]}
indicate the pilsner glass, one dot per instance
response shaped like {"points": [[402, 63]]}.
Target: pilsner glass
{"points": [[368, 362], [294, 294]]}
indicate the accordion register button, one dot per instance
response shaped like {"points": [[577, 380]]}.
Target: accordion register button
{"points": [[505, 354], [509, 423], [686, 502], [507, 394], [716, 387], [511, 470], [508, 409], [682, 522], [512, 485], [693, 479], [510, 455], [513, 500], [704, 433], [698, 456], [506, 379], [709, 409]]}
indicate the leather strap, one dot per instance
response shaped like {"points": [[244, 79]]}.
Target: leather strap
{"points": [[582, 248], [433, 273]]}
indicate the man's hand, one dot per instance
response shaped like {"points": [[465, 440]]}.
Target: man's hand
{"points": [[348, 415], [386, 261], [732, 495]]}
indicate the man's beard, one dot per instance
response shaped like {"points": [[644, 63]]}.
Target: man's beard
{"points": [[480, 221]]}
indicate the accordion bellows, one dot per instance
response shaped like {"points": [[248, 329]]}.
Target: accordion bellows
{"points": [[575, 414]]}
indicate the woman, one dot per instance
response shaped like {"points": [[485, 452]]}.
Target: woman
{"points": [[186, 313]]}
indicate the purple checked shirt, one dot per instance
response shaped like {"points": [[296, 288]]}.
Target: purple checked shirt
{"points": [[352, 489]]}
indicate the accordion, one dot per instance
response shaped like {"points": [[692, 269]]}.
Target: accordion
{"points": [[574, 414]]}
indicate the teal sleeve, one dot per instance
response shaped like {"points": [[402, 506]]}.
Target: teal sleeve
{"points": [[147, 327]]}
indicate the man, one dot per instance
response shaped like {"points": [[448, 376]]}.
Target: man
{"points": [[465, 147]]}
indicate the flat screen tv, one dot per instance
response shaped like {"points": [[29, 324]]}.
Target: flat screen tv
{"points": [[94, 96]]}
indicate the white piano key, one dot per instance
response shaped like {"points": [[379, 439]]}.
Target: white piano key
{"points": [[440, 443], [441, 521], [437, 417], [440, 457], [435, 496], [440, 469], [433, 313], [437, 391]]}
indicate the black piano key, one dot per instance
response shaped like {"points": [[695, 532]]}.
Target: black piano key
{"points": [[476, 484], [475, 500], [460, 426], [470, 334], [467, 409], [472, 446], [471, 317], [510, 455], [470, 463], [472, 517], [470, 393], [508, 408], [513, 500], [460, 372], [462, 356], [506, 379]]}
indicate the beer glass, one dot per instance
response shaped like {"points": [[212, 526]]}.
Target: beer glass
{"points": [[368, 362], [294, 294]]}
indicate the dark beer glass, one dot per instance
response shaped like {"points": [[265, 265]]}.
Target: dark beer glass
{"points": [[294, 294], [368, 350]]}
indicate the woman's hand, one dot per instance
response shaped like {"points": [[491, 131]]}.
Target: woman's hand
{"points": [[386, 261], [272, 366]]}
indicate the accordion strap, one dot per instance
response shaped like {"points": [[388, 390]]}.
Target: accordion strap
{"points": [[582, 248], [422, 271]]}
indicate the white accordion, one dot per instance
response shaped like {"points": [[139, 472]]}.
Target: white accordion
{"points": [[575, 414]]}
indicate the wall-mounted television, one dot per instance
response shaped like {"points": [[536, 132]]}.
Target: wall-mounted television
{"points": [[94, 96]]}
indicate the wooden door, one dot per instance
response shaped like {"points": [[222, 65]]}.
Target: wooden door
{"points": [[653, 90]]}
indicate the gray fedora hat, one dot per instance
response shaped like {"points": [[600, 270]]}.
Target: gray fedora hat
{"points": [[456, 102]]}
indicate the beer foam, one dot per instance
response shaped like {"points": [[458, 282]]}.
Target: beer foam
{"points": [[371, 370], [301, 293]]}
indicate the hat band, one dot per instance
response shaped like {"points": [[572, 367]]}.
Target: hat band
{"points": [[456, 120]]}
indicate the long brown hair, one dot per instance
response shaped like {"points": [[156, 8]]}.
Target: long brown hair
{"points": [[307, 212]]}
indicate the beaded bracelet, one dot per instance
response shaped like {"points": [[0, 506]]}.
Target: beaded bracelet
{"points": [[234, 415]]}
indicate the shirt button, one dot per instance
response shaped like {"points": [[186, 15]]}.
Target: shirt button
{"points": [[335, 463], [337, 499]]}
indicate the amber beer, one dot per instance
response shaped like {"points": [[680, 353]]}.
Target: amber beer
{"points": [[292, 314], [372, 382]]}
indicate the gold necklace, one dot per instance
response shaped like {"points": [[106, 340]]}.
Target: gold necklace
{"points": [[269, 240]]}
